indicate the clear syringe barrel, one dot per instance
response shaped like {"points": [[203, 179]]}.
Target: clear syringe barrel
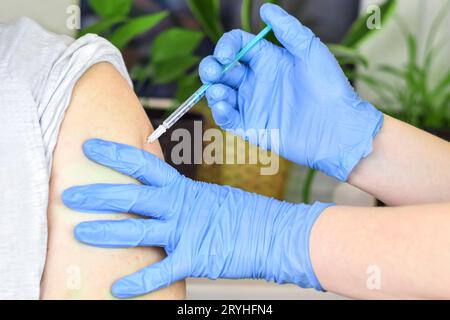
{"points": [[185, 106]]}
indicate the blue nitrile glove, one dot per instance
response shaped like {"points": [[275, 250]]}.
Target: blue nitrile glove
{"points": [[207, 230], [299, 89]]}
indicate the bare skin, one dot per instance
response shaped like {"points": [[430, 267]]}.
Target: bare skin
{"points": [[396, 252], [407, 166], [102, 106]]}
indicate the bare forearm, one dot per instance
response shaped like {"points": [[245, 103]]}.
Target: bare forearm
{"points": [[407, 166], [383, 252]]}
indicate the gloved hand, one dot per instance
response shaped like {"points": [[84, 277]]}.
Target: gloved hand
{"points": [[207, 230], [299, 90]]}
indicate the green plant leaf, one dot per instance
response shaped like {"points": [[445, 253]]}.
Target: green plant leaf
{"points": [[437, 21], [102, 26], [187, 85], [431, 54], [443, 85], [246, 15], [111, 9], [307, 186], [444, 107], [413, 75], [359, 32], [347, 55], [412, 49], [393, 71], [175, 42], [135, 27], [140, 73], [434, 120], [386, 92], [207, 13], [170, 70]]}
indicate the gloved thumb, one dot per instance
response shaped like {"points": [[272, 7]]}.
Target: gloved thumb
{"points": [[295, 37]]}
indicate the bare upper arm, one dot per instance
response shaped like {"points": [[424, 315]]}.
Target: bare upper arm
{"points": [[102, 106]]}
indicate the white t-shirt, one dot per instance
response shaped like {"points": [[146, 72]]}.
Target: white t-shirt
{"points": [[38, 70]]}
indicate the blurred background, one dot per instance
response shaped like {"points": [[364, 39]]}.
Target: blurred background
{"points": [[402, 67]]}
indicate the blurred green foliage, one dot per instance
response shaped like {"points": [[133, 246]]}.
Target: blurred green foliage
{"points": [[172, 54], [115, 22], [207, 13], [172, 57], [116, 8], [415, 96], [359, 32]]}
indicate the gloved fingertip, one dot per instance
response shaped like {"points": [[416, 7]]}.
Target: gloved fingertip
{"points": [[126, 288], [224, 54], [90, 145], [223, 114], [84, 231], [72, 196], [221, 119], [101, 151], [217, 92], [210, 97], [210, 70], [228, 46], [268, 11]]}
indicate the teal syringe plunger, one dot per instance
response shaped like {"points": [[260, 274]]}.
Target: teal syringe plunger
{"points": [[200, 93]]}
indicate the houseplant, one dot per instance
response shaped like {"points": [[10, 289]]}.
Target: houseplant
{"points": [[413, 96]]}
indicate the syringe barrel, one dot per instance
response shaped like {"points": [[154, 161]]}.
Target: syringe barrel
{"points": [[185, 106]]}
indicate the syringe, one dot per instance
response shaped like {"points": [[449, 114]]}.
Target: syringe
{"points": [[200, 93]]}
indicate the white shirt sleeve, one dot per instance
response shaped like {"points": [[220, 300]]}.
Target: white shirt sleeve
{"points": [[38, 71]]}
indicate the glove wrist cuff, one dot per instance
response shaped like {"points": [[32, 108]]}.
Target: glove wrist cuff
{"points": [[354, 138], [289, 257]]}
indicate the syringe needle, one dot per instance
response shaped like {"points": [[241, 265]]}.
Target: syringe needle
{"points": [[156, 134]]}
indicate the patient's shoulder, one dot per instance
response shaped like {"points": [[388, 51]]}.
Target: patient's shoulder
{"points": [[103, 105], [103, 98]]}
